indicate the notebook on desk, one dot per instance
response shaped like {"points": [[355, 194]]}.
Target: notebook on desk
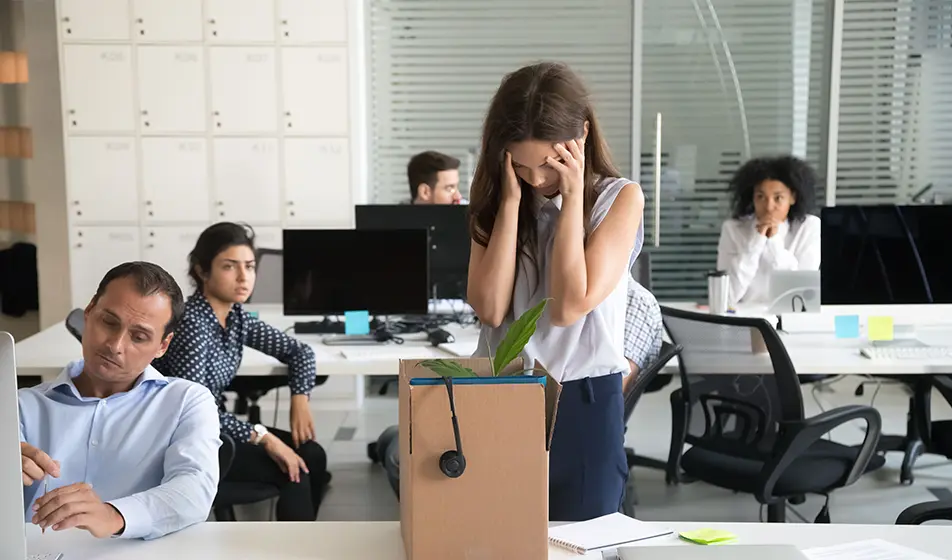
{"points": [[609, 531]]}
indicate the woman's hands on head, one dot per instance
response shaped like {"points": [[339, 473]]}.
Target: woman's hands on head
{"points": [[511, 188], [572, 167]]}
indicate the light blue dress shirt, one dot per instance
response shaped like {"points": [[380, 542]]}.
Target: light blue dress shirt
{"points": [[151, 452]]}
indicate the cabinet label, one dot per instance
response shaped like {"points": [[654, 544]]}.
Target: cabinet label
{"points": [[330, 149], [186, 57], [327, 58], [262, 148], [117, 146], [257, 57], [112, 56], [190, 146]]}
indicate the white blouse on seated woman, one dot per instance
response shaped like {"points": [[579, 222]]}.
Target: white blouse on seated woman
{"points": [[771, 228], [749, 256]]}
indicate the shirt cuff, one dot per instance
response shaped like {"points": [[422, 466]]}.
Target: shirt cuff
{"points": [[136, 516]]}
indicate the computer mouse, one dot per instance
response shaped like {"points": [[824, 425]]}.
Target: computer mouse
{"points": [[439, 336]]}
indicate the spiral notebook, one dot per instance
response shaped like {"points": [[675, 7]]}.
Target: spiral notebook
{"points": [[609, 531]]}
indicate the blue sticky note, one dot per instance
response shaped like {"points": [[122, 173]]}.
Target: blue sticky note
{"points": [[357, 322], [847, 326], [253, 314]]}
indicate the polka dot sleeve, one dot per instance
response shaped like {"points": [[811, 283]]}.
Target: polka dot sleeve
{"points": [[297, 355]]}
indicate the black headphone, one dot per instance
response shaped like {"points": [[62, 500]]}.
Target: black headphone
{"points": [[793, 303], [453, 463]]}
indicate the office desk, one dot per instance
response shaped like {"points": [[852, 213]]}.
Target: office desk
{"points": [[45, 353], [382, 541]]}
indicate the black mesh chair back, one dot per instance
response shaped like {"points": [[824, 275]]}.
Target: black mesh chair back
{"points": [[269, 281], [647, 377], [737, 380], [641, 270]]}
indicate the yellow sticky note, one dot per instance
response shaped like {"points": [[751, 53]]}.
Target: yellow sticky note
{"points": [[879, 328], [707, 536]]}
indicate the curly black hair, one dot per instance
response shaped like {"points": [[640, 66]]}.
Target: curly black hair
{"points": [[793, 172]]}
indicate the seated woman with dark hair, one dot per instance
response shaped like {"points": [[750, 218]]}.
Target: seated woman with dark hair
{"points": [[771, 228]]}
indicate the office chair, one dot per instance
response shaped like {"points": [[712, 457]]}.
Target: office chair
{"points": [[748, 431], [918, 514], [269, 277], [269, 289], [231, 494], [645, 382], [76, 323]]}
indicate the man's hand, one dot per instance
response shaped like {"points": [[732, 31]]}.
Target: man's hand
{"points": [[302, 423], [77, 505], [289, 461], [36, 464]]}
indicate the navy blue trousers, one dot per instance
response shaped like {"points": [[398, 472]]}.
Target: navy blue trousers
{"points": [[587, 465]]}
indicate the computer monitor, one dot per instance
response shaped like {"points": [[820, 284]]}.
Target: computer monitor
{"points": [[449, 240], [883, 255], [331, 272], [11, 484]]}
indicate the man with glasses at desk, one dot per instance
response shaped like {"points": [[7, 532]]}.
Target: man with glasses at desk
{"points": [[112, 446], [434, 179]]}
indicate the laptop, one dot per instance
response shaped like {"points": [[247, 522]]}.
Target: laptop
{"points": [[709, 552], [12, 527]]}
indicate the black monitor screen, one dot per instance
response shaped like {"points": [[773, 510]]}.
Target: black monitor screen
{"points": [[448, 229], [881, 255], [330, 272]]}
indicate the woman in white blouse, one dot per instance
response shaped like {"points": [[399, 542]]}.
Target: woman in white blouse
{"points": [[771, 228]]}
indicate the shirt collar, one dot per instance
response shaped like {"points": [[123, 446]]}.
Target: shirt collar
{"points": [[544, 203], [64, 381]]}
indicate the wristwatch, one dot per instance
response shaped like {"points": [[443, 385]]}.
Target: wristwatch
{"points": [[260, 432]]}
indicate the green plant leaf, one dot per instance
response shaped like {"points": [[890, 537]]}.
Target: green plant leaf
{"points": [[447, 368], [517, 337]]}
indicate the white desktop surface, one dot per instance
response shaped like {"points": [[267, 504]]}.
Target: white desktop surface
{"points": [[812, 347], [382, 540]]}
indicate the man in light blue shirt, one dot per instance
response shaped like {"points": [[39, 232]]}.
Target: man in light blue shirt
{"points": [[129, 453]]}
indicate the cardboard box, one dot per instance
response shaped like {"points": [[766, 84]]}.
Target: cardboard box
{"points": [[498, 509]]}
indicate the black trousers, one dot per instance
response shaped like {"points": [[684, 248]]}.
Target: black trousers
{"points": [[298, 501], [587, 464]]}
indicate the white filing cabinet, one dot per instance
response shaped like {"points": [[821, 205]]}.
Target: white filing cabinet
{"points": [[99, 93], [171, 89], [175, 180], [167, 21], [313, 21], [82, 20], [316, 171], [315, 91], [101, 175], [247, 176], [244, 89], [239, 21], [93, 251]]}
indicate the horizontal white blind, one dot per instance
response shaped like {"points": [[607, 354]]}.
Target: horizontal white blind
{"points": [[895, 125], [766, 95], [435, 65]]}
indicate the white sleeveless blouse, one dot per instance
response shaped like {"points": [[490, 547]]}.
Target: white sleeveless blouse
{"points": [[594, 345]]}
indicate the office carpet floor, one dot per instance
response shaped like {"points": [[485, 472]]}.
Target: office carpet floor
{"points": [[360, 492]]}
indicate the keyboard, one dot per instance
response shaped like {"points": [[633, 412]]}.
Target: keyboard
{"points": [[45, 556], [907, 352], [389, 352]]}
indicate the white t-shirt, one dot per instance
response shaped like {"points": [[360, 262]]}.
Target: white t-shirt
{"points": [[594, 345], [749, 257]]}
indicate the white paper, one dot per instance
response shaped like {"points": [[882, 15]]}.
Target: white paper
{"points": [[873, 549]]}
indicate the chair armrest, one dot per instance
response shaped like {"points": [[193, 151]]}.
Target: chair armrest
{"points": [[796, 437], [927, 511]]}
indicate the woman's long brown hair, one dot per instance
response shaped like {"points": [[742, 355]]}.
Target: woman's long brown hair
{"points": [[546, 102]]}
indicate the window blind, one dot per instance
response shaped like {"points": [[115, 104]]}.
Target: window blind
{"points": [[435, 64], [895, 123], [732, 80]]}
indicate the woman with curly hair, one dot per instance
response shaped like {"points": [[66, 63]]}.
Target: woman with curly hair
{"points": [[771, 228]]}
